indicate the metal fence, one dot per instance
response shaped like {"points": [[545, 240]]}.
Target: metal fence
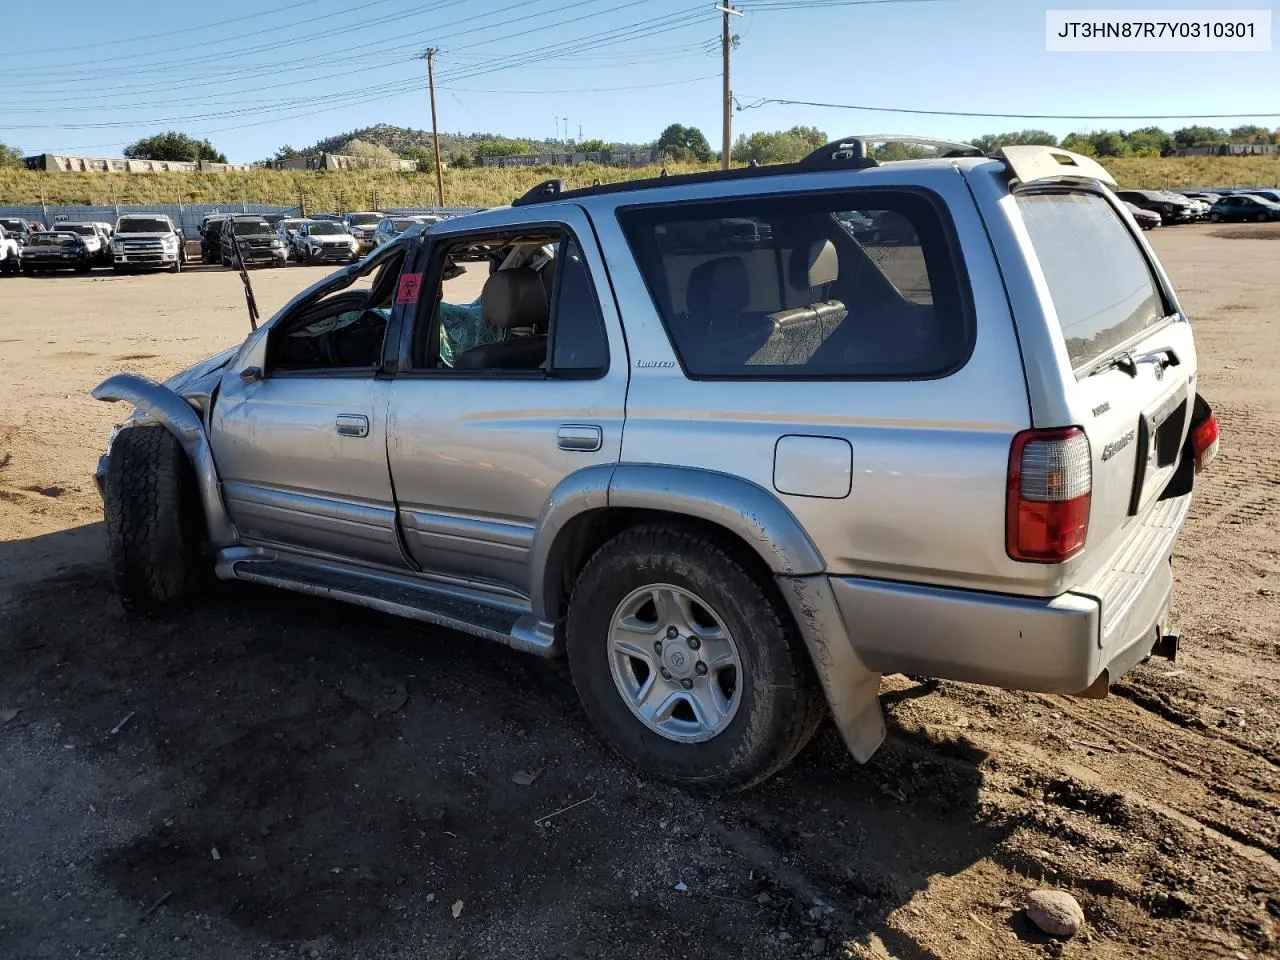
{"points": [[187, 215]]}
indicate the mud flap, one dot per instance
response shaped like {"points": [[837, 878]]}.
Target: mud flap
{"points": [[851, 689]]}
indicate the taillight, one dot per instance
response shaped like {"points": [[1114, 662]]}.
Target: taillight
{"points": [[1050, 481], [1204, 441]]}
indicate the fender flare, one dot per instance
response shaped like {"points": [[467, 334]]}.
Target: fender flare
{"points": [[176, 415], [743, 508]]}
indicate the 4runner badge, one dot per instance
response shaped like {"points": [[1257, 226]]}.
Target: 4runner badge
{"points": [[1115, 446]]}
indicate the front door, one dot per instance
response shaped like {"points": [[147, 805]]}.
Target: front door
{"points": [[301, 440], [513, 377]]}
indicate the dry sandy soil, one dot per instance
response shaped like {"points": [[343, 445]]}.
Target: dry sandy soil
{"points": [[271, 775]]}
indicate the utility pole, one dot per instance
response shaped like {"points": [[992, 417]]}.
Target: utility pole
{"points": [[726, 133], [435, 132]]}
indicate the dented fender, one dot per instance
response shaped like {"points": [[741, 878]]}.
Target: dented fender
{"points": [[173, 413]]}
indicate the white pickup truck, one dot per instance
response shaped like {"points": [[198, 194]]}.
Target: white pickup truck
{"points": [[9, 252], [145, 242]]}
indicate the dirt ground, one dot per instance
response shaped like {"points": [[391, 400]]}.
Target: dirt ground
{"points": [[271, 775]]}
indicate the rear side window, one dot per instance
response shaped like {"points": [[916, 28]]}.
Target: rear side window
{"points": [[834, 285], [578, 340], [1102, 287]]}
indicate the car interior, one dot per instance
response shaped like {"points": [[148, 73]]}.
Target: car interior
{"points": [[343, 330], [807, 295], [506, 328]]}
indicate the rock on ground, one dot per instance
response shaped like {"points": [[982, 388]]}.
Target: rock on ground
{"points": [[1056, 913]]}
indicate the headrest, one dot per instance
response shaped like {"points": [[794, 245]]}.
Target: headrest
{"points": [[814, 265], [718, 288], [514, 298]]}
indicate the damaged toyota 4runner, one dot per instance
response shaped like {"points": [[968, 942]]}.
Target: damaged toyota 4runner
{"points": [[733, 451]]}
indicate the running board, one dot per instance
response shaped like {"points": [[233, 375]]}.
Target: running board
{"points": [[460, 608]]}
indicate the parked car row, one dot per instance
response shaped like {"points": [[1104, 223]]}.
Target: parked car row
{"points": [[278, 239]]}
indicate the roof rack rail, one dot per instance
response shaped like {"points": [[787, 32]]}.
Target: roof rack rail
{"points": [[546, 190], [847, 154], [850, 149]]}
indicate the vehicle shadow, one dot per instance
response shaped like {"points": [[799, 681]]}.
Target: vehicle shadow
{"points": [[310, 772]]}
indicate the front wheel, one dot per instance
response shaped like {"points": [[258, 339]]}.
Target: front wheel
{"points": [[175, 267], [1215, 217], [1261, 218], [687, 660], [155, 533]]}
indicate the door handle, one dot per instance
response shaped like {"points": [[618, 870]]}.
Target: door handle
{"points": [[352, 425], [583, 437]]}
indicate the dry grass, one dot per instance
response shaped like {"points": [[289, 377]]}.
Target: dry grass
{"points": [[348, 190], [339, 191], [1252, 231]]}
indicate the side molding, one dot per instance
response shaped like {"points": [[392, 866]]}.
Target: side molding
{"points": [[587, 489], [738, 505], [747, 509], [176, 416]]}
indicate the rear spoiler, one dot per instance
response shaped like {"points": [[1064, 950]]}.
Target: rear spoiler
{"points": [[1029, 164]]}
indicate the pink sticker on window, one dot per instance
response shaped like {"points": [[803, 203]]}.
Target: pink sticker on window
{"points": [[410, 287]]}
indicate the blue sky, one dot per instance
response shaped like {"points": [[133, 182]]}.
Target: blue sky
{"points": [[81, 76]]}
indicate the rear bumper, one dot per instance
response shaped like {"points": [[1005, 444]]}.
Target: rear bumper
{"points": [[1019, 643], [1063, 644]]}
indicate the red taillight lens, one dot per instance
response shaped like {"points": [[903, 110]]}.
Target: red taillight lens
{"points": [[1050, 481], [1204, 441]]}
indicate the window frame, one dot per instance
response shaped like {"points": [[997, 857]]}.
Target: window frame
{"points": [[372, 263], [957, 270], [1169, 303], [433, 269]]}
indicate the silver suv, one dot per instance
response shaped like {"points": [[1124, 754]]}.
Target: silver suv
{"points": [[738, 443]]}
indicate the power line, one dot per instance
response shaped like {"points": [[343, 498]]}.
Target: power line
{"points": [[158, 36], [637, 86], [222, 56], [762, 101]]}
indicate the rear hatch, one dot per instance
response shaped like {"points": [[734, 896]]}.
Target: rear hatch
{"points": [[1131, 386]]}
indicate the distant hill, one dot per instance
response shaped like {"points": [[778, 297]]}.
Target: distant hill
{"points": [[399, 139]]}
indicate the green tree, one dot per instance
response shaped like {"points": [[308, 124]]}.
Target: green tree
{"points": [[593, 146], [991, 142], [812, 136], [1110, 143], [501, 147], [460, 159], [1150, 142], [1249, 134], [781, 146], [1199, 136], [10, 156], [1080, 143], [173, 145], [679, 142], [423, 157], [287, 153]]}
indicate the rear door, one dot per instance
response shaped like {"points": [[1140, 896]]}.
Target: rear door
{"points": [[477, 446], [1132, 361]]}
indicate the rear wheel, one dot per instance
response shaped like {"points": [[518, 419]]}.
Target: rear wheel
{"points": [[155, 533], [1215, 217], [687, 662]]}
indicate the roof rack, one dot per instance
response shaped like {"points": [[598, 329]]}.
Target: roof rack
{"points": [[847, 154], [855, 148], [546, 190]]}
